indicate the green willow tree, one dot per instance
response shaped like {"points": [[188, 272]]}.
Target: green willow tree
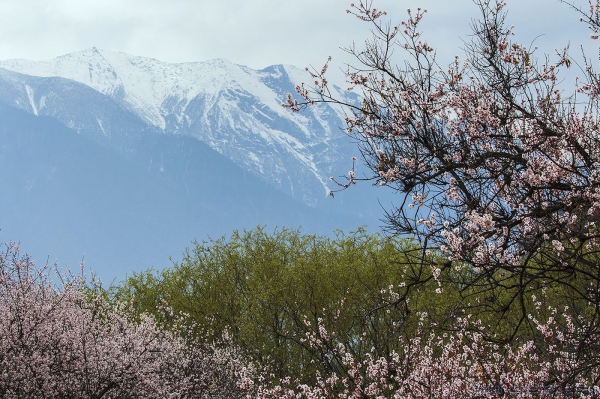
{"points": [[270, 291]]}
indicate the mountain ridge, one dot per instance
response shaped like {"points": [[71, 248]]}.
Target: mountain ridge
{"points": [[202, 100]]}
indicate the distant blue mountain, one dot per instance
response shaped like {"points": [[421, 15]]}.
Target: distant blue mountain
{"points": [[127, 159]]}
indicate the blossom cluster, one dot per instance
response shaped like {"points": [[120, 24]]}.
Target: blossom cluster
{"points": [[454, 364]]}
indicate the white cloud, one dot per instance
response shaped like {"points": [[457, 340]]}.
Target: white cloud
{"points": [[256, 33]]}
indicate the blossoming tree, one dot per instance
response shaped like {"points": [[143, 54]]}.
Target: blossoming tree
{"points": [[499, 168], [497, 165], [61, 341]]}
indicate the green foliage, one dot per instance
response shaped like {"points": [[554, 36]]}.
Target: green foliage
{"points": [[270, 290]]}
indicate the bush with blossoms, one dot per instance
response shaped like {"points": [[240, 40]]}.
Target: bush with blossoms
{"points": [[59, 339]]}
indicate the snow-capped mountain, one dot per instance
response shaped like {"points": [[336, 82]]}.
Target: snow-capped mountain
{"points": [[128, 159], [234, 109]]}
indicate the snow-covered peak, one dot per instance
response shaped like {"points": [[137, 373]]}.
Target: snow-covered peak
{"points": [[143, 84]]}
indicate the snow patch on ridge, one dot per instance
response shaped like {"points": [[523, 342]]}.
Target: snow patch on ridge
{"points": [[101, 126], [31, 97]]}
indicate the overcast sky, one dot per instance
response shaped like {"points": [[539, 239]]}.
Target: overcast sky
{"points": [[256, 33]]}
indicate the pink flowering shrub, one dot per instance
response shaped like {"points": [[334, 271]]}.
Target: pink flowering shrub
{"points": [[62, 341], [457, 364]]}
